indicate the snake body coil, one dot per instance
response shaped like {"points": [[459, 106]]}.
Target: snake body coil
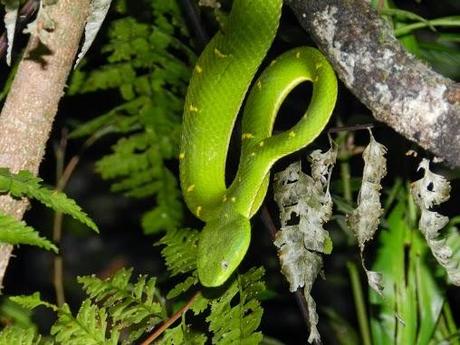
{"points": [[219, 83]]}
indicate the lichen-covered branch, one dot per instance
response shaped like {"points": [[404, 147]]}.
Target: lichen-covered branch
{"points": [[31, 105], [400, 90]]}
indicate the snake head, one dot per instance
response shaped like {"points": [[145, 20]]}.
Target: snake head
{"points": [[222, 246]]}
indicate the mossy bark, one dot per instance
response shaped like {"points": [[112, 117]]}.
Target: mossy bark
{"points": [[399, 89]]}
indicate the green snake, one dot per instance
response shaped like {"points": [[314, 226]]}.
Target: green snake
{"points": [[219, 83]]}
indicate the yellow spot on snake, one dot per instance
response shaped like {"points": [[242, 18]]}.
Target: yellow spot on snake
{"points": [[247, 136], [261, 143], [190, 188], [219, 53], [253, 154], [182, 155], [318, 65], [193, 108], [198, 210], [297, 55], [224, 199], [233, 199], [198, 69], [292, 134], [273, 62], [259, 84]]}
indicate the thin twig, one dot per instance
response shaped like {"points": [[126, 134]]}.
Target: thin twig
{"points": [[351, 128], [165, 325], [58, 269], [62, 178], [299, 297], [193, 21]]}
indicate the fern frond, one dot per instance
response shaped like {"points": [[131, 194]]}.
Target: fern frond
{"points": [[182, 334], [13, 231], [31, 302], [180, 251], [131, 306], [235, 316], [150, 67], [21, 336], [24, 184], [89, 327]]}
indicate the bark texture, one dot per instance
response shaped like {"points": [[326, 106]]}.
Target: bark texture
{"points": [[400, 90], [27, 116]]}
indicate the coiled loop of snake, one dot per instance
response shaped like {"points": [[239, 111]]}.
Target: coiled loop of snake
{"points": [[217, 89]]}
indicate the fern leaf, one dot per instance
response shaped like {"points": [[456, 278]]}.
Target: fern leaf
{"points": [[24, 184], [180, 251], [89, 327], [21, 336], [235, 316], [98, 12], [146, 64], [182, 334], [13, 231], [131, 306], [11, 15], [31, 302]]}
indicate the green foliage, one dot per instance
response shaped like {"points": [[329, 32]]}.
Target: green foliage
{"points": [[89, 327], [411, 295], [31, 301], [24, 184], [20, 336], [150, 67], [130, 306], [14, 231], [180, 250], [236, 314], [182, 334], [440, 49]]}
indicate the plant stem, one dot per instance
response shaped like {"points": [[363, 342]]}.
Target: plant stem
{"points": [[165, 325], [359, 304], [62, 178], [346, 178]]}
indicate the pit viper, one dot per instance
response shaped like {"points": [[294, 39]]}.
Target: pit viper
{"points": [[220, 81]]}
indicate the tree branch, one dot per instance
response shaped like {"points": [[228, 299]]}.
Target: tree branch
{"points": [[400, 90], [31, 105]]}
